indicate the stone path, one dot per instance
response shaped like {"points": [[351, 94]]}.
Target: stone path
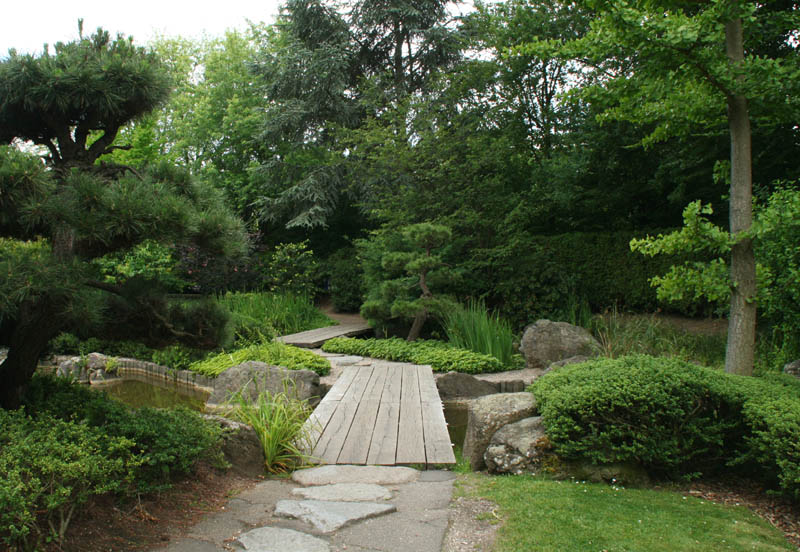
{"points": [[331, 509]]}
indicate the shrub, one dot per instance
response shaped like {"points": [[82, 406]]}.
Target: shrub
{"points": [[166, 442], [50, 467], [667, 415], [475, 329], [273, 353], [280, 423], [440, 356], [291, 268], [346, 280]]}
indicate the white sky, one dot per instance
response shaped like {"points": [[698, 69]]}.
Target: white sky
{"points": [[26, 26]]}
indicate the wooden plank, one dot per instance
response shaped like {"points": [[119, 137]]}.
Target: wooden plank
{"points": [[318, 421], [330, 443], [342, 384], [355, 449], [438, 449], [374, 388], [427, 385], [410, 441], [383, 446], [311, 339]]}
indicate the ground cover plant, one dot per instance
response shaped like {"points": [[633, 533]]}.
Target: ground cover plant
{"points": [[69, 444], [441, 356], [574, 516], [273, 353]]}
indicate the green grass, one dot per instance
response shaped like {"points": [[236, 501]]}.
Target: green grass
{"points": [[474, 328], [272, 314], [274, 353], [562, 516], [626, 335]]}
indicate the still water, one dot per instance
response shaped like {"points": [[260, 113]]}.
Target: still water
{"points": [[158, 394]]}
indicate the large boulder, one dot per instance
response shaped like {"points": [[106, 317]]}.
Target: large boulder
{"points": [[255, 377], [486, 415], [241, 446], [518, 448], [454, 385], [545, 342]]}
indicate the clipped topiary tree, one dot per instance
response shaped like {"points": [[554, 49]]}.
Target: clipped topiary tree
{"points": [[413, 267]]}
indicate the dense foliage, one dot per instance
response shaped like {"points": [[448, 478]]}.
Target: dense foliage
{"points": [[441, 356], [69, 444], [674, 418]]}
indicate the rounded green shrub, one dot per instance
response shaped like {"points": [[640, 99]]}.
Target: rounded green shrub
{"points": [[672, 417]]}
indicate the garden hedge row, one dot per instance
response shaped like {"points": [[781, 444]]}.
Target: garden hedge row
{"points": [[674, 418], [440, 356]]}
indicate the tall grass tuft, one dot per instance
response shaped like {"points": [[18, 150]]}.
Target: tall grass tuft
{"points": [[474, 328], [627, 335], [270, 314], [279, 420]]}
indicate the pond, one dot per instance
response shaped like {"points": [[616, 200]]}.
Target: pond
{"points": [[455, 412], [158, 394]]}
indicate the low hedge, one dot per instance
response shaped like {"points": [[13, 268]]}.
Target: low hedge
{"points": [[674, 418], [439, 355], [274, 353], [69, 443]]}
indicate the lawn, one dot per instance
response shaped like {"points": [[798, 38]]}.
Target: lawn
{"points": [[539, 515]]}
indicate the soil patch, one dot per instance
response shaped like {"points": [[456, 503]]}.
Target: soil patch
{"points": [[151, 521]]}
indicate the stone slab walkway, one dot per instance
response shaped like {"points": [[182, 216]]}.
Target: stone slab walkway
{"points": [[331, 509]]}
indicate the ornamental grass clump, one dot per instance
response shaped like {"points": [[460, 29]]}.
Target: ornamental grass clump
{"points": [[280, 423], [474, 328]]}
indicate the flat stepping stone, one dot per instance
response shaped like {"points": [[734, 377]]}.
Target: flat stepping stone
{"points": [[327, 517], [275, 539], [346, 360], [345, 492], [379, 475]]}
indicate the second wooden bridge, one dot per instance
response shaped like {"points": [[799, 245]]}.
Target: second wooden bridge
{"points": [[384, 413]]}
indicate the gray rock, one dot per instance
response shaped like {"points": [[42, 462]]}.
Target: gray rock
{"points": [[276, 539], [567, 361], [545, 342], [102, 376], [255, 377], [345, 492], [327, 517], [379, 475], [348, 360], [792, 368], [458, 385], [518, 447], [80, 368], [486, 415], [241, 446]]}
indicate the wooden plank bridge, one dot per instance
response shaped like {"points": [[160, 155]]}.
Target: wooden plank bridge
{"points": [[384, 413], [312, 339]]}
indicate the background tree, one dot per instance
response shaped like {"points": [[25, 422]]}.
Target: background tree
{"points": [[59, 216], [690, 63]]}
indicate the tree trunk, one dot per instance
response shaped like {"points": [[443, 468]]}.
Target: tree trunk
{"points": [[416, 327], [38, 323], [740, 351]]}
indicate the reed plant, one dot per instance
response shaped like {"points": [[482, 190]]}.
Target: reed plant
{"points": [[270, 314], [474, 328], [279, 420]]}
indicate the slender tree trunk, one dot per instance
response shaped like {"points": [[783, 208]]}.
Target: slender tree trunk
{"points": [[38, 323], [740, 351], [416, 327]]}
